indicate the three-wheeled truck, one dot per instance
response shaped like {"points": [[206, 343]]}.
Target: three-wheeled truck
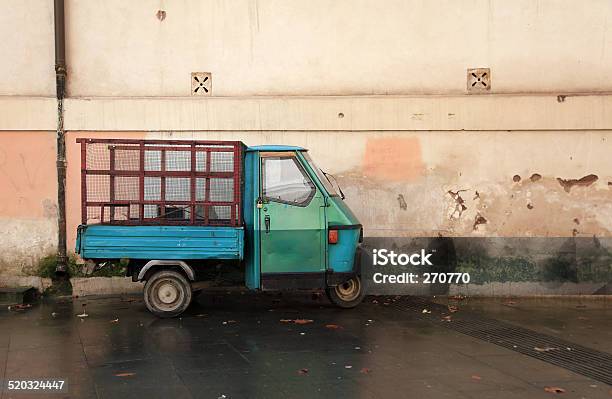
{"points": [[195, 214]]}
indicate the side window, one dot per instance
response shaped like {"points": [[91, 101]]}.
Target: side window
{"points": [[285, 181]]}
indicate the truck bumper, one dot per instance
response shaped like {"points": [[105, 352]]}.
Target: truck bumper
{"points": [[336, 278]]}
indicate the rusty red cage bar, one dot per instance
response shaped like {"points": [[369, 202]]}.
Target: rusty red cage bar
{"points": [[137, 182]]}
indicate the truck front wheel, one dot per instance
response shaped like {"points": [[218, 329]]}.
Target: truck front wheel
{"points": [[348, 294], [167, 293]]}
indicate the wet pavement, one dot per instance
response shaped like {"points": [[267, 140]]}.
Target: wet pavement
{"points": [[250, 346]]}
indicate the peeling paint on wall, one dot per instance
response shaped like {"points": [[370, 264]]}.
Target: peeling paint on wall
{"points": [[535, 177], [479, 219], [459, 205], [585, 181]]}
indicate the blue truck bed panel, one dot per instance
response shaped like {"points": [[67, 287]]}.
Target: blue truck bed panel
{"points": [[160, 242]]}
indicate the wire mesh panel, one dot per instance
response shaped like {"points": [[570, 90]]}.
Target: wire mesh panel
{"points": [[161, 182]]}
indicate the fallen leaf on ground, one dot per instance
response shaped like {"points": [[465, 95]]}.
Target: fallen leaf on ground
{"points": [[302, 321], [453, 309], [303, 371], [364, 370], [20, 307], [125, 374], [547, 349], [554, 389], [476, 377], [115, 321], [333, 326]]}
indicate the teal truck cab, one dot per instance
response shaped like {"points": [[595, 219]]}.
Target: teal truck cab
{"points": [[189, 215]]}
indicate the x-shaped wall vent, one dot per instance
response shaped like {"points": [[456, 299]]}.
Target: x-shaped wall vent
{"points": [[478, 80], [201, 83]]}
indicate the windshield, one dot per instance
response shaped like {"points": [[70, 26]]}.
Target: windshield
{"points": [[322, 178]]}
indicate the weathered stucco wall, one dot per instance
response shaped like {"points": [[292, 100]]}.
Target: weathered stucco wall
{"points": [[28, 199], [523, 212], [535, 179], [321, 47], [406, 183], [449, 183], [351, 81], [270, 47], [26, 29]]}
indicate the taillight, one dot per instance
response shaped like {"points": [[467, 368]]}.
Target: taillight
{"points": [[332, 236]]}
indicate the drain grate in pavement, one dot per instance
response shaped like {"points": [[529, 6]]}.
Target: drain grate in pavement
{"points": [[568, 355]]}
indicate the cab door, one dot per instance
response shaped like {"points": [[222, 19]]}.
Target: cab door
{"points": [[291, 224]]}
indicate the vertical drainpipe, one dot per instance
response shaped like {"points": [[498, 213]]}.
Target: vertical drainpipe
{"points": [[60, 87]]}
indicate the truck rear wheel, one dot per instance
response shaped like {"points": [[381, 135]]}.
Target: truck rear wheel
{"points": [[348, 294], [167, 293]]}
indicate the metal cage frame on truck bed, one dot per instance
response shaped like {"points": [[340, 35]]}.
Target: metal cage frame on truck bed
{"points": [[164, 182]]}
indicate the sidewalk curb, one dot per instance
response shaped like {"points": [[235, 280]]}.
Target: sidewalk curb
{"points": [[39, 283], [84, 286]]}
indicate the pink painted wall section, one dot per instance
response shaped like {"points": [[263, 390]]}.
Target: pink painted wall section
{"points": [[73, 176], [393, 159], [28, 178]]}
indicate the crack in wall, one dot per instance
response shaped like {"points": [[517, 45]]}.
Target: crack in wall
{"points": [[402, 202]]}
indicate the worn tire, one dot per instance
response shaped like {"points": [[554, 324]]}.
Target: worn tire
{"points": [[167, 293], [348, 294]]}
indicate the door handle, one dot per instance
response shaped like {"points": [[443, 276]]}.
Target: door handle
{"points": [[267, 222]]}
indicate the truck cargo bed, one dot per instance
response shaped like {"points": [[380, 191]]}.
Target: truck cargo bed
{"points": [[160, 242]]}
